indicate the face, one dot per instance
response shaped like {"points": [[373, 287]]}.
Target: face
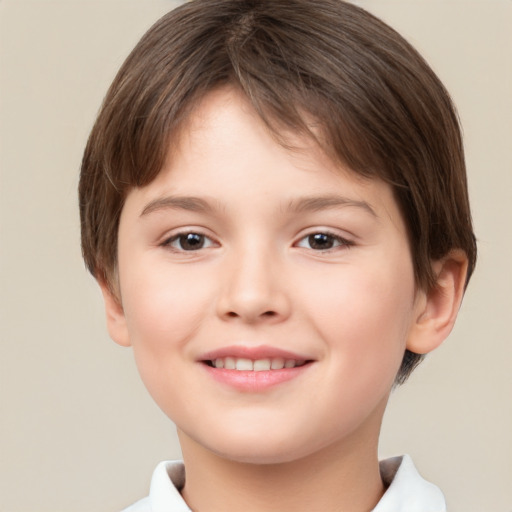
{"points": [[263, 287]]}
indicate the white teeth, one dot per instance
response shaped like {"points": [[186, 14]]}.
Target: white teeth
{"points": [[230, 363], [259, 365], [244, 365], [277, 363]]}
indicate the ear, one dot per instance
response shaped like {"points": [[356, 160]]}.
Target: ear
{"points": [[116, 321], [437, 309]]}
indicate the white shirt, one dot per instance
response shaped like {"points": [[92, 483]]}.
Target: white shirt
{"points": [[407, 491]]}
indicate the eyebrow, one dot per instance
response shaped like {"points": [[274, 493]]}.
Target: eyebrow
{"points": [[300, 205], [193, 204], [317, 203]]}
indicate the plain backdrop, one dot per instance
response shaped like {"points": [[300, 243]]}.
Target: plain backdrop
{"points": [[78, 431]]}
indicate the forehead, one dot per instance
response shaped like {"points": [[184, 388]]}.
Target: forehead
{"points": [[225, 123], [225, 153]]}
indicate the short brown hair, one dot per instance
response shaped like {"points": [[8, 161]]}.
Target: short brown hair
{"points": [[382, 111]]}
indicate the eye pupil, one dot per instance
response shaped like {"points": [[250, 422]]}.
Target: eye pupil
{"points": [[321, 241], [191, 241]]}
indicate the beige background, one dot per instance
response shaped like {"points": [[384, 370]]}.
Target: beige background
{"points": [[78, 431]]}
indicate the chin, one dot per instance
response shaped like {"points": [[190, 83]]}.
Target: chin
{"points": [[260, 457], [262, 449]]}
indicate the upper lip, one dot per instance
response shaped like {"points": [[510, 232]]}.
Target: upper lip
{"points": [[255, 353]]}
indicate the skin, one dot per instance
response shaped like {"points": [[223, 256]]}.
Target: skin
{"points": [[257, 277]]}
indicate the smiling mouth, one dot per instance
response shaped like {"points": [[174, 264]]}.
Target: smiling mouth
{"points": [[256, 365]]}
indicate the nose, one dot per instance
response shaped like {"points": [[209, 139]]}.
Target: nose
{"points": [[253, 290]]}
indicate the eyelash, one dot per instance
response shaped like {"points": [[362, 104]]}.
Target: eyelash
{"points": [[341, 243], [201, 239], [179, 237]]}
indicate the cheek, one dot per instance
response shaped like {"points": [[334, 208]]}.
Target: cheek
{"points": [[162, 302], [364, 315], [163, 311], [362, 321], [161, 318]]}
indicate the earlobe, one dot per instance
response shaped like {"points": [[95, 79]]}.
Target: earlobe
{"points": [[116, 321], [437, 308]]}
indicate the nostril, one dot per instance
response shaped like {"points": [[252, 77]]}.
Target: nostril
{"points": [[265, 314]]}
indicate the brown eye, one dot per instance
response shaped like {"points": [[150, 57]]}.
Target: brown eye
{"points": [[189, 242], [323, 242]]}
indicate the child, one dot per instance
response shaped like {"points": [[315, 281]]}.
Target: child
{"points": [[274, 203]]}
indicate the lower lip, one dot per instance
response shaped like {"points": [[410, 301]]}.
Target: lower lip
{"points": [[251, 381]]}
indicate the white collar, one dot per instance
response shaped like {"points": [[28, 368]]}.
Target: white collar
{"points": [[407, 490]]}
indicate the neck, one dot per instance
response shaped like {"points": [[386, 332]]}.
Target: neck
{"points": [[338, 478]]}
